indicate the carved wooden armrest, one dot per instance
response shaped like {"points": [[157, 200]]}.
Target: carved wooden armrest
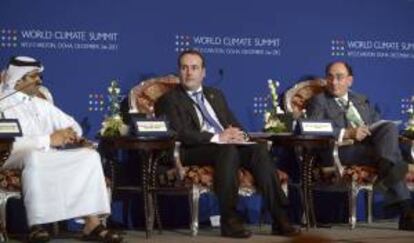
{"points": [[335, 155], [178, 164]]}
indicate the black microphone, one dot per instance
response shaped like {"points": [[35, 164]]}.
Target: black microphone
{"points": [[10, 128], [220, 79], [13, 93], [18, 90], [221, 73]]}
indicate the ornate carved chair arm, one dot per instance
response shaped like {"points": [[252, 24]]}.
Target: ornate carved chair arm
{"points": [[178, 164], [335, 154], [132, 101], [337, 161]]}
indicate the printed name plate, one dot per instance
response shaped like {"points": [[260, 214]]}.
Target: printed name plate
{"points": [[10, 128], [149, 127], [310, 127]]}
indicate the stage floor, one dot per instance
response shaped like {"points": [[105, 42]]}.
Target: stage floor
{"points": [[383, 231]]}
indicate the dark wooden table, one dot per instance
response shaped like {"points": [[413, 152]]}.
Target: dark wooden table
{"points": [[6, 145], [150, 149], [304, 146]]}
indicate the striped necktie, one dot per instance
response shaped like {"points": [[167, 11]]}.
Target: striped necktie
{"points": [[199, 97]]}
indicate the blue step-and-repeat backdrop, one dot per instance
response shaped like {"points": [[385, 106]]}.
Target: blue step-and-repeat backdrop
{"points": [[86, 44]]}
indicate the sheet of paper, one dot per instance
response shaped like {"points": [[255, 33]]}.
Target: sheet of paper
{"points": [[376, 124], [238, 143]]}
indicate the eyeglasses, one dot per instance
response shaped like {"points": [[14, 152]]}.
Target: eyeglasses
{"points": [[338, 76]]}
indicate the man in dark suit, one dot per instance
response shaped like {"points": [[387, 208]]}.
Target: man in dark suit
{"points": [[352, 116], [209, 133]]}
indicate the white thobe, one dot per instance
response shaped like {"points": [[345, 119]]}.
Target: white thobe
{"points": [[57, 184]]}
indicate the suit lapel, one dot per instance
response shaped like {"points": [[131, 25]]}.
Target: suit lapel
{"points": [[360, 105], [335, 111], [188, 105], [215, 103]]}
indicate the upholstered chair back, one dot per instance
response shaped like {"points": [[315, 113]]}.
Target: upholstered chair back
{"points": [[143, 96], [297, 97]]}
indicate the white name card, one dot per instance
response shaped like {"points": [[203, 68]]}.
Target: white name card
{"points": [[151, 126], [316, 127], [10, 128]]}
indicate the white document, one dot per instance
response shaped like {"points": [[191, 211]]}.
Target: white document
{"points": [[376, 124], [238, 143], [264, 135]]}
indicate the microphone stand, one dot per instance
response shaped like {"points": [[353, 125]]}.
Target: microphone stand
{"points": [[13, 93]]}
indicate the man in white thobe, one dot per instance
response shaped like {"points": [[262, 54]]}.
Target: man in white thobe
{"points": [[57, 183]]}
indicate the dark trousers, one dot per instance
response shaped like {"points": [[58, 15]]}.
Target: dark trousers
{"points": [[227, 159], [382, 150]]}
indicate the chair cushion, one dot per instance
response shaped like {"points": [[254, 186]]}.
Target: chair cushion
{"points": [[409, 178], [203, 176], [361, 174], [297, 97], [144, 95], [10, 180]]}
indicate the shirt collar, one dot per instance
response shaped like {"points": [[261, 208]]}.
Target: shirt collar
{"points": [[344, 97], [22, 96], [191, 92], [15, 100]]}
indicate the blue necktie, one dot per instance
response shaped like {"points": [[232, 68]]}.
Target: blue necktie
{"points": [[204, 112]]}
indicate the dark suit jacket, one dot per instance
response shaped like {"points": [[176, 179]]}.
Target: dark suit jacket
{"points": [[179, 109], [324, 107]]}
